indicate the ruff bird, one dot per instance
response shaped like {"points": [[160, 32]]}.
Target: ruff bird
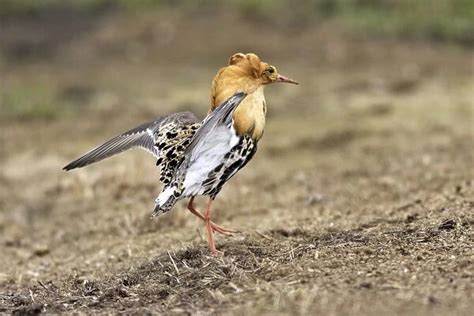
{"points": [[198, 157]]}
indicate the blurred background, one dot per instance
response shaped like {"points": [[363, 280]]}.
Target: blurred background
{"points": [[60, 58], [378, 134]]}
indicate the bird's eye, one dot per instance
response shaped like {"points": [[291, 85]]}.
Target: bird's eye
{"points": [[271, 70]]}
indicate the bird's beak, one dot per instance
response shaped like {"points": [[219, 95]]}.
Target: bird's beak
{"points": [[281, 78]]}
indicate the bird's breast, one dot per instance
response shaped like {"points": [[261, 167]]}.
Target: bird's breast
{"points": [[249, 117]]}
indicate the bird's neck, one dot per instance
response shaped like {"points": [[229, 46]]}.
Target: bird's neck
{"points": [[249, 117]]}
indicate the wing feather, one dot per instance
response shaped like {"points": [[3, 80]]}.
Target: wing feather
{"points": [[222, 115], [143, 136]]}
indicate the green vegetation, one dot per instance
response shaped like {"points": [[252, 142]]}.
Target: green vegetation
{"points": [[443, 20], [426, 19], [27, 102], [440, 20]]}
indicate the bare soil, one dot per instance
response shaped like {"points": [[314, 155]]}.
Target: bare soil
{"points": [[359, 201]]}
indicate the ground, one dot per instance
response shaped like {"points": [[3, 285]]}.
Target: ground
{"points": [[359, 200]]}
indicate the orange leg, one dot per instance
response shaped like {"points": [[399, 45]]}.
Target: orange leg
{"points": [[215, 227], [210, 231]]}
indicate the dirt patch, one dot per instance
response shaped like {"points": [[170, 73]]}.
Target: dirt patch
{"points": [[191, 280], [359, 200]]}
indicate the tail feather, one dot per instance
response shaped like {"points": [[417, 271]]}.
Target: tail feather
{"points": [[165, 201]]}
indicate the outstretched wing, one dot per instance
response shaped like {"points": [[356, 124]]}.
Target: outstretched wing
{"points": [[143, 136]]}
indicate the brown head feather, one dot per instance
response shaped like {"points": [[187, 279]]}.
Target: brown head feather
{"points": [[245, 73]]}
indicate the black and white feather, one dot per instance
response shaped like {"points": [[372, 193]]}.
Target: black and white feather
{"points": [[196, 158], [144, 136], [206, 161]]}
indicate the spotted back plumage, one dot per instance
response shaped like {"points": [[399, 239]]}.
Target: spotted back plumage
{"points": [[171, 142]]}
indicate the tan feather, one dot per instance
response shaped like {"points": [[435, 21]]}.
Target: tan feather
{"points": [[246, 73]]}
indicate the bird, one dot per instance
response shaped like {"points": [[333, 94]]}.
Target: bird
{"points": [[197, 157]]}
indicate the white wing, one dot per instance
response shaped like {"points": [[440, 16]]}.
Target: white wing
{"points": [[212, 141]]}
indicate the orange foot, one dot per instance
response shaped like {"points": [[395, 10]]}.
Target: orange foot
{"points": [[222, 230], [217, 253], [215, 227]]}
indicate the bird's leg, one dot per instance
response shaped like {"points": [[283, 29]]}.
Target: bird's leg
{"points": [[210, 231], [193, 210], [215, 227]]}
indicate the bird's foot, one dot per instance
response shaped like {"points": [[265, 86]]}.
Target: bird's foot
{"points": [[217, 253], [222, 230], [214, 227]]}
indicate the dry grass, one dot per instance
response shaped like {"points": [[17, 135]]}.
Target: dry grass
{"points": [[359, 200]]}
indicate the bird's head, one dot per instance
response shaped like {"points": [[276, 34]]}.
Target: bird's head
{"points": [[251, 65], [245, 73]]}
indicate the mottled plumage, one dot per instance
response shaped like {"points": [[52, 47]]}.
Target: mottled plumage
{"points": [[215, 153], [198, 158], [145, 136], [171, 142]]}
